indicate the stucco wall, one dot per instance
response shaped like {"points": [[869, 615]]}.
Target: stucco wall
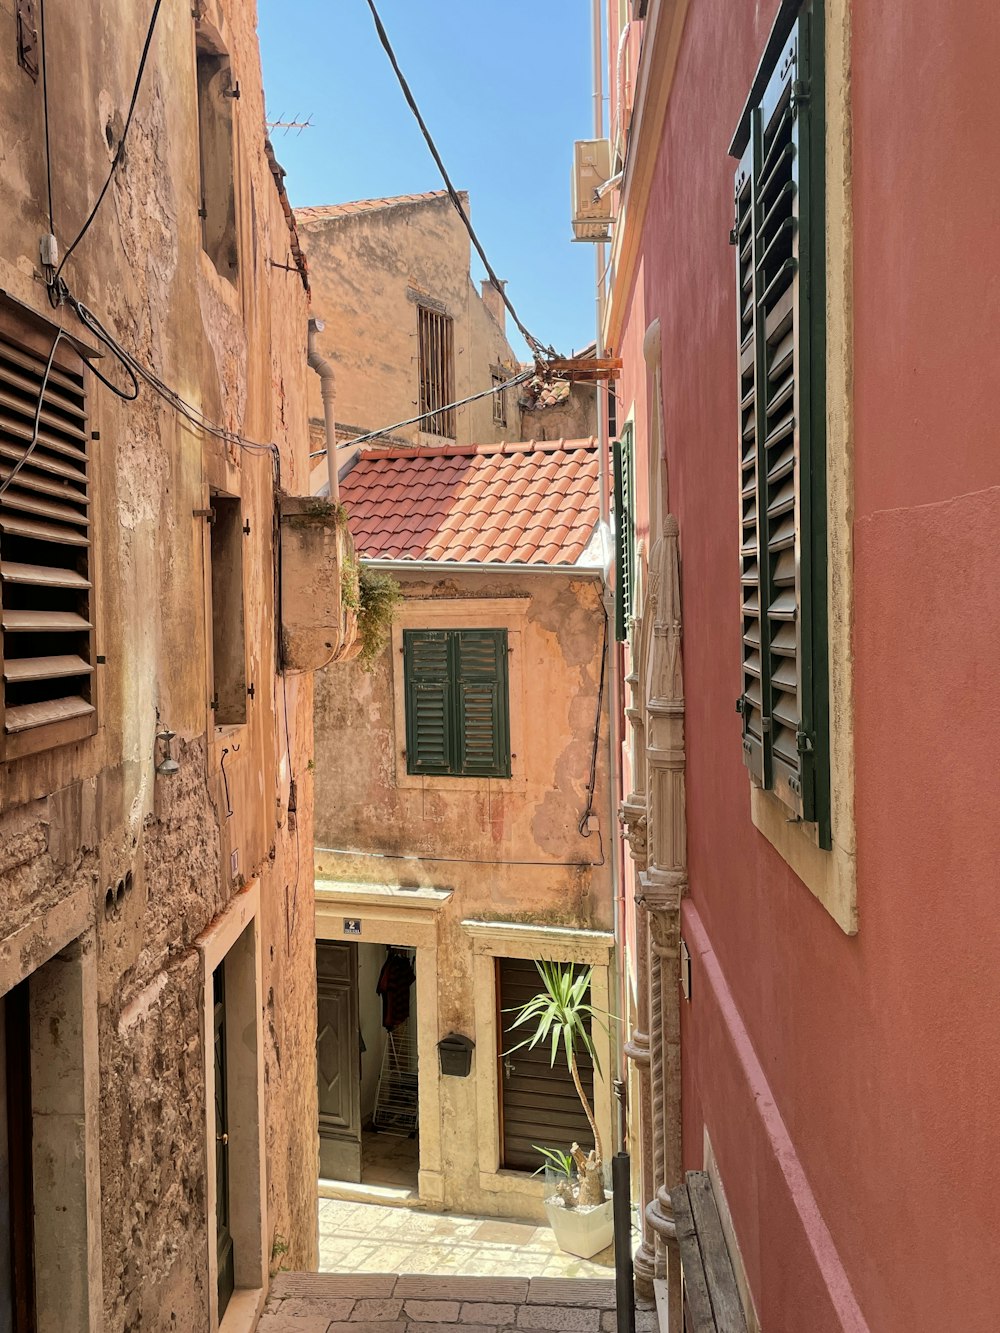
{"points": [[369, 270], [509, 850], [75, 819], [834, 1074]]}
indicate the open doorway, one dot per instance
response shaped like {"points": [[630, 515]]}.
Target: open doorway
{"points": [[366, 1057]]}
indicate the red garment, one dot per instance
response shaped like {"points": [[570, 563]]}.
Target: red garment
{"points": [[394, 982]]}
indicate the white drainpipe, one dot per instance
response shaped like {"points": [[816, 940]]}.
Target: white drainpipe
{"points": [[324, 370]]}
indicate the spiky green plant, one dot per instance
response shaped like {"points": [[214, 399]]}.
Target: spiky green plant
{"points": [[562, 1017]]}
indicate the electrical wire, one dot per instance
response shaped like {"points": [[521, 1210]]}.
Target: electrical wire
{"points": [[45, 114], [539, 351], [137, 371], [121, 142], [582, 826], [8, 481], [522, 378]]}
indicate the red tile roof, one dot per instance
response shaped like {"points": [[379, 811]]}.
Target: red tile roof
{"points": [[527, 503], [320, 212]]}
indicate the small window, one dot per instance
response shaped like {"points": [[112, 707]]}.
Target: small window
{"points": [[229, 673], [499, 400], [45, 570], [624, 469], [778, 236], [436, 348], [457, 708], [216, 95]]}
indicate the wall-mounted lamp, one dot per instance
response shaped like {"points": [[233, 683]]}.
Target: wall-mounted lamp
{"points": [[168, 765]]}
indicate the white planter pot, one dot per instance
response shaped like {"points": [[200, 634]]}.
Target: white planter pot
{"points": [[582, 1231]]}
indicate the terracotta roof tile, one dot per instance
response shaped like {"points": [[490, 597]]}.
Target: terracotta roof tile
{"points": [[527, 502]]}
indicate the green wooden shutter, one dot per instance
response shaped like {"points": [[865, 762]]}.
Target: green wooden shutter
{"points": [[429, 701], [481, 699], [623, 456], [780, 259], [752, 698]]}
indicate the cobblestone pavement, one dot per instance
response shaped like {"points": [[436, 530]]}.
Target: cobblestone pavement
{"points": [[391, 1303], [370, 1238]]}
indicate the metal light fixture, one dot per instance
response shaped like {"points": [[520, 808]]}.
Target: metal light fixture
{"points": [[168, 765]]}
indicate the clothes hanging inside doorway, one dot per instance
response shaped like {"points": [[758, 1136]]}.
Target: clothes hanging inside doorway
{"points": [[394, 982]]}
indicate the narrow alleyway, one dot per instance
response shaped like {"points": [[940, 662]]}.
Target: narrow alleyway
{"points": [[387, 1303]]}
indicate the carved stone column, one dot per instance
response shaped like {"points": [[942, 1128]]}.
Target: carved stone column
{"points": [[632, 813], [662, 887], [637, 1049]]}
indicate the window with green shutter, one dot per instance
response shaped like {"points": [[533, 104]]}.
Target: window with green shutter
{"points": [[624, 470], [457, 707], [779, 237]]}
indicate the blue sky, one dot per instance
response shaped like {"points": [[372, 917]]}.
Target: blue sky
{"points": [[504, 89]]}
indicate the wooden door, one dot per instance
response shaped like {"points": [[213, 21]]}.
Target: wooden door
{"points": [[224, 1235], [17, 1309], [538, 1102], [338, 1063]]}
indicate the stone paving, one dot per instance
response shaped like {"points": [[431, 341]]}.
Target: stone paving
{"points": [[370, 1238], [408, 1303]]}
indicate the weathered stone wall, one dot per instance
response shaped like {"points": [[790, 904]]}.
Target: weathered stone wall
{"points": [[369, 269], [75, 820]]}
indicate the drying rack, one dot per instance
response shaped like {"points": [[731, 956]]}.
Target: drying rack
{"points": [[396, 1095]]}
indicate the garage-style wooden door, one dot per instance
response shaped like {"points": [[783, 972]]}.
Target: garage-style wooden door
{"points": [[538, 1102]]}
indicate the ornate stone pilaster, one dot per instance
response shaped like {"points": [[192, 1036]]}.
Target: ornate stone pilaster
{"points": [[662, 885], [637, 1049]]}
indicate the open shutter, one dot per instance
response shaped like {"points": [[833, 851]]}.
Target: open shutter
{"points": [[429, 701], [624, 533], [782, 474], [45, 535], [751, 703], [778, 279], [481, 679]]}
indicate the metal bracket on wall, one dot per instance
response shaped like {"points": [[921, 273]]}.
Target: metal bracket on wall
{"points": [[27, 38]]}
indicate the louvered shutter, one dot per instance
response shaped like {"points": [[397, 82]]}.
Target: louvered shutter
{"points": [[752, 698], [624, 533], [45, 544], [481, 671], [782, 467], [429, 701]]}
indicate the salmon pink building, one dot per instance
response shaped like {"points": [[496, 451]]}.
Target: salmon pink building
{"points": [[805, 296]]}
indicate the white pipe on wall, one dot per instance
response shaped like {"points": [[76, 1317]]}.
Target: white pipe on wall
{"points": [[324, 370]]}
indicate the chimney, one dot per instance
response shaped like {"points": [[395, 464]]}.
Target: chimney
{"points": [[493, 301]]}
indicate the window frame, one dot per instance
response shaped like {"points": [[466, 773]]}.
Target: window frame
{"points": [[791, 73], [499, 399], [455, 728], [436, 371]]}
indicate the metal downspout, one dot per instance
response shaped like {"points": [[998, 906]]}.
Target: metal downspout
{"points": [[324, 370]]}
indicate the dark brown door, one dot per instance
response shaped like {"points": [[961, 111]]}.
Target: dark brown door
{"points": [[18, 1314], [224, 1235], [338, 1071], [538, 1102]]}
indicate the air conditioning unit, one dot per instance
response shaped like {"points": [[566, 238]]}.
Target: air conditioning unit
{"points": [[591, 168]]}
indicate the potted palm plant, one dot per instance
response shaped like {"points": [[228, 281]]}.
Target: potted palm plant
{"points": [[579, 1208]]}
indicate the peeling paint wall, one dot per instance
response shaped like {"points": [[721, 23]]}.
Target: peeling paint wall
{"points": [[75, 820], [370, 270]]}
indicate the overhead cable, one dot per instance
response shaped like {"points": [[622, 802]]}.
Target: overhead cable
{"points": [[121, 142], [538, 349], [412, 421]]}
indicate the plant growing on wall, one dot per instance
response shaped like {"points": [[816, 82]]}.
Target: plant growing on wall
{"points": [[563, 1017], [375, 601]]}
